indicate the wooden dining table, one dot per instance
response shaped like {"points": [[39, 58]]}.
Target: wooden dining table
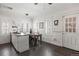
{"points": [[34, 38]]}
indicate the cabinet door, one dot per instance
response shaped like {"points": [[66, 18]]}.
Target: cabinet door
{"points": [[65, 40], [77, 43], [73, 42], [23, 43], [69, 41]]}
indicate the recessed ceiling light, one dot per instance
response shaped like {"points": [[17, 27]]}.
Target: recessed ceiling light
{"points": [[10, 8], [50, 3], [36, 3], [26, 14]]}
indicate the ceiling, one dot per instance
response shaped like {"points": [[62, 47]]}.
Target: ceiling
{"points": [[41, 8]]}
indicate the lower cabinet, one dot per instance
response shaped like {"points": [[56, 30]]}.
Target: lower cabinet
{"points": [[20, 42], [69, 40], [77, 42], [23, 43]]}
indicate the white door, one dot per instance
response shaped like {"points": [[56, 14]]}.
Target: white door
{"points": [[69, 31]]}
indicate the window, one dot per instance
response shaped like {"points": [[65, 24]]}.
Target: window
{"points": [[41, 25], [5, 28], [70, 24]]}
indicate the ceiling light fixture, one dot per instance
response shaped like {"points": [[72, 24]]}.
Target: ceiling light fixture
{"points": [[26, 14], [10, 8], [36, 3], [50, 3]]}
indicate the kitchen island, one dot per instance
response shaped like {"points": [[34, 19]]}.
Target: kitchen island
{"points": [[20, 41]]}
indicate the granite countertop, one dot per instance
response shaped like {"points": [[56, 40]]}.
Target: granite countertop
{"points": [[20, 34]]}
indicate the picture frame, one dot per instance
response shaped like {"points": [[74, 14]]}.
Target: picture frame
{"points": [[56, 22], [41, 25]]}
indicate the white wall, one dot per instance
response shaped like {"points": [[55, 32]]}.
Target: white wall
{"points": [[51, 34]]}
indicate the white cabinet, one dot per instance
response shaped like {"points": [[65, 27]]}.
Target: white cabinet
{"points": [[77, 43], [69, 40], [20, 42]]}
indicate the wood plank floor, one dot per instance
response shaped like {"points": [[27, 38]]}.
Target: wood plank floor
{"points": [[44, 50]]}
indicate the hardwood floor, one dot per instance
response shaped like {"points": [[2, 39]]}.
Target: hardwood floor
{"points": [[44, 50]]}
